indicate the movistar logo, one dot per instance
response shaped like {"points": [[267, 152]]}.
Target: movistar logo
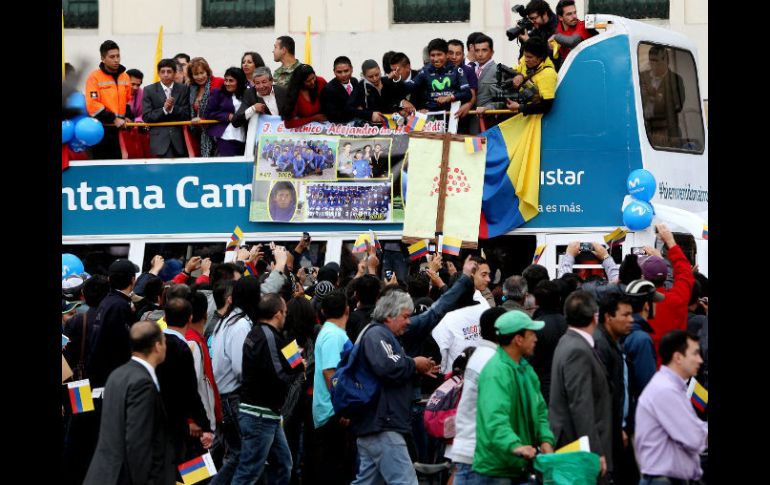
{"points": [[441, 85]]}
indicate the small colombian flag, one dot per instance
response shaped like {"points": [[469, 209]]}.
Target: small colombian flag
{"points": [[80, 396], [580, 444], [473, 144], [250, 270], [698, 395], [618, 236], [235, 239], [452, 245], [392, 124], [706, 231], [292, 354], [417, 250], [197, 469], [538, 253], [360, 245], [417, 121]]}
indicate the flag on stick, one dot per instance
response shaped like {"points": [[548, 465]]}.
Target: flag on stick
{"points": [[158, 54], [538, 254], [197, 469], [698, 395], [80, 396], [418, 250]]}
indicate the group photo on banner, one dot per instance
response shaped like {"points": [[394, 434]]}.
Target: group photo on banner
{"points": [[330, 172]]}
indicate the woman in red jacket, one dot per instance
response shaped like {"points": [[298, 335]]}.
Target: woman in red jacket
{"points": [[304, 103]]}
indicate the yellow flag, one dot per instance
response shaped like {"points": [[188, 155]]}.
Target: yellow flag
{"points": [[158, 55], [308, 53], [62, 46], [580, 444]]}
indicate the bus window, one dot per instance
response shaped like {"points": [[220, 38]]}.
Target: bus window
{"points": [[668, 82], [97, 258]]}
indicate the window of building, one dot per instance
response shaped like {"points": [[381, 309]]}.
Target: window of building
{"points": [[238, 13], [671, 105], [632, 9], [81, 14], [418, 11]]}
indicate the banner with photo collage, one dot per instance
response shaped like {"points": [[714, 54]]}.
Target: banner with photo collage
{"points": [[329, 172]]}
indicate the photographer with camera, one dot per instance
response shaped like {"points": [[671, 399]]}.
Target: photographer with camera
{"points": [[535, 80], [537, 20]]}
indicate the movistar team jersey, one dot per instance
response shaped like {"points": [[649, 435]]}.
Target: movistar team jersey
{"points": [[436, 82]]}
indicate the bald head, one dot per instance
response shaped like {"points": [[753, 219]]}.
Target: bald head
{"points": [[144, 335]]}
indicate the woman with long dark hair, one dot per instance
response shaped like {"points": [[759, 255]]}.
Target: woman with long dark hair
{"points": [[230, 141], [249, 62], [304, 99], [202, 84]]}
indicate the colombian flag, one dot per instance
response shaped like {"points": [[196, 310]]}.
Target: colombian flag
{"points": [[512, 175], [80, 396], [618, 236], [538, 254], [705, 231], [392, 124], [360, 245], [417, 121], [698, 394], [473, 144], [417, 250], [235, 239], [250, 270], [292, 354], [197, 469], [452, 245]]}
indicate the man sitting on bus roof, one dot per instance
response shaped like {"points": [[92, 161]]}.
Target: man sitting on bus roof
{"points": [[569, 31]]}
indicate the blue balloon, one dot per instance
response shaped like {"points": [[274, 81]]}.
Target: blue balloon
{"points": [[67, 131], [641, 184], [637, 215], [77, 146], [70, 264], [89, 131], [77, 101]]}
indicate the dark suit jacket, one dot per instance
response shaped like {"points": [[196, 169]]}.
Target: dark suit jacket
{"points": [[250, 97], [336, 103], [134, 446], [179, 389], [152, 112], [612, 357], [580, 396]]}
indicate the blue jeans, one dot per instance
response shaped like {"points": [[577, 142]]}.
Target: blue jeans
{"points": [[464, 475], [384, 459], [262, 439], [231, 434]]}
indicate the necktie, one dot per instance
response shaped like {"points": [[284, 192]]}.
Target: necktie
{"points": [[478, 71], [167, 90], [348, 88]]}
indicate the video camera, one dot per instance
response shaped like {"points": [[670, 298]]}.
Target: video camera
{"points": [[503, 89], [523, 25]]}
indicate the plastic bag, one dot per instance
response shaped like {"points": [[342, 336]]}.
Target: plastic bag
{"points": [[570, 468]]}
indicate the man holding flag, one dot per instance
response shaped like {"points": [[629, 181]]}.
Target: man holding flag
{"points": [[669, 435]]}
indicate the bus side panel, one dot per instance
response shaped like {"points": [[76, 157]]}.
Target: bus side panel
{"points": [[590, 140]]}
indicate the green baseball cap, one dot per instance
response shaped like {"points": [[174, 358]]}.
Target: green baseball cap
{"points": [[515, 320]]}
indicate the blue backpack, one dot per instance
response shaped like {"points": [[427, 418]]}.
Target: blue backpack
{"points": [[354, 388]]}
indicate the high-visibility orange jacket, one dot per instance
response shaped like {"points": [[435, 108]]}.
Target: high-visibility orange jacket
{"points": [[105, 97]]}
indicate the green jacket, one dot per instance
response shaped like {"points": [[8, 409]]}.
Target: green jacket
{"points": [[511, 413]]}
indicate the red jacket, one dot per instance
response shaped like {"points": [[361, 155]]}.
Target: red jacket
{"points": [[671, 313], [207, 369], [579, 29], [181, 279], [304, 108]]}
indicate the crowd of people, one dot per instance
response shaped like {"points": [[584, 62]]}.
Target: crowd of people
{"points": [[348, 202], [188, 90], [237, 359]]}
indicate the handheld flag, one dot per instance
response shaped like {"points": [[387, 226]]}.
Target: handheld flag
{"points": [[705, 231], [417, 250], [250, 270], [618, 236], [158, 54], [391, 121], [417, 121], [580, 444], [473, 144], [197, 469], [538, 254], [452, 245], [80, 396], [308, 52], [360, 245], [698, 395], [292, 354], [235, 239]]}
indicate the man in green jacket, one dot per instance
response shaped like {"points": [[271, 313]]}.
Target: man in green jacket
{"points": [[512, 417]]}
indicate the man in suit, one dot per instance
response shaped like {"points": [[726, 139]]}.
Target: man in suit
{"points": [[486, 71], [165, 101], [134, 447], [266, 98], [379, 161], [662, 99], [580, 403], [180, 386], [336, 96]]}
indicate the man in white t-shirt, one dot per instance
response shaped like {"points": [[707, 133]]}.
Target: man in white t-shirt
{"points": [[458, 330]]}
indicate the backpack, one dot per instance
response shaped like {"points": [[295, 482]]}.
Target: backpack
{"points": [[440, 411], [354, 388]]}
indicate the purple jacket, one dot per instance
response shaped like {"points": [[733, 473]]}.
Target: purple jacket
{"points": [[220, 107]]}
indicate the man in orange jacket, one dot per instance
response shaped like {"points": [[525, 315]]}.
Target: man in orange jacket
{"points": [[108, 94], [671, 313]]}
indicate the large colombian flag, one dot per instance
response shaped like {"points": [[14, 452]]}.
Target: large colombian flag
{"points": [[512, 176]]}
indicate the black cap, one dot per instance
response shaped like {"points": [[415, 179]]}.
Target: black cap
{"points": [[123, 266]]}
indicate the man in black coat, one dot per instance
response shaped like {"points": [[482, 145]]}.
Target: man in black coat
{"points": [[547, 297], [180, 386], [265, 98], [134, 446], [164, 101], [337, 96]]}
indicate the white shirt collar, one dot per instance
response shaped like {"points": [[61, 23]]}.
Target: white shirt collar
{"points": [[589, 338], [149, 368], [170, 86], [171, 331]]}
